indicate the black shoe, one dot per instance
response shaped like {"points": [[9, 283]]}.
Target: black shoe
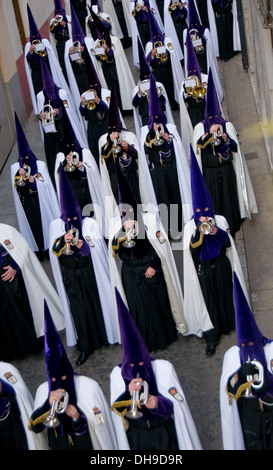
{"points": [[81, 359], [210, 350]]}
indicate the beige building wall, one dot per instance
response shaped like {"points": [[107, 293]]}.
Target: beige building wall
{"points": [[259, 39]]}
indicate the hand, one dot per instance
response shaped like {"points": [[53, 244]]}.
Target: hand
{"points": [[79, 165], [133, 385], [150, 272], [166, 136], [72, 412], [114, 135], [225, 137], [129, 224], [31, 179], [214, 128], [68, 237], [56, 395], [79, 244], [214, 230], [31, 49], [9, 275], [152, 402], [22, 171]]}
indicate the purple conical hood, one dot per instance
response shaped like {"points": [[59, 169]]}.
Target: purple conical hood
{"points": [[56, 360], [50, 88], [155, 111], [24, 149], [70, 208], [134, 348], [250, 340], [145, 70], [59, 9], [77, 32], [114, 122], [213, 113], [33, 29], [193, 67], [156, 33], [200, 194], [193, 18], [94, 81]]}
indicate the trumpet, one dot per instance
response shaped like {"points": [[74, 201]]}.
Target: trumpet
{"points": [[39, 47], [257, 380], [58, 19], [217, 136], [100, 49], [76, 55], [116, 148], [89, 99], [48, 122], [22, 178], [173, 5], [74, 241], [131, 233], [197, 41], [158, 135], [161, 52], [74, 159], [139, 398], [145, 88], [57, 407], [206, 227], [138, 7]]}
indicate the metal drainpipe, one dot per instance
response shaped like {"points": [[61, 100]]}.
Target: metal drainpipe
{"points": [[242, 34]]}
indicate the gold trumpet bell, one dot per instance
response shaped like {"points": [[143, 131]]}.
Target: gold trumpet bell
{"points": [[39, 47]]}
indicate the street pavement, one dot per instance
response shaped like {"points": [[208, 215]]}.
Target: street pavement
{"points": [[199, 375]]}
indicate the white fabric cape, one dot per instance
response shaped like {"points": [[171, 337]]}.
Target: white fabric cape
{"points": [[185, 121], [211, 62], [37, 283], [76, 122], [166, 378], [196, 314], [124, 73], [183, 171], [246, 196], [164, 251], [110, 205], [236, 30], [49, 206], [137, 117], [56, 70], [170, 29], [134, 28], [232, 434], [115, 27], [89, 398], [94, 185], [177, 70], [100, 262], [25, 403], [108, 7], [89, 42]]}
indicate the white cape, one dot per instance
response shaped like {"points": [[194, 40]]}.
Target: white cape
{"points": [[232, 434], [100, 262], [177, 70], [25, 402], [166, 378], [196, 314], [49, 206], [211, 62], [56, 71], [164, 251], [246, 196], [90, 399], [124, 73], [134, 28], [38, 285], [107, 6], [183, 172], [94, 185], [76, 123]]}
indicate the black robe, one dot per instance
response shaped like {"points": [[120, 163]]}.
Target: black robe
{"points": [[69, 435], [34, 61], [61, 35], [79, 182], [224, 26], [12, 433], [126, 40], [96, 126], [162, 71], [17, 334], [163, 170], [220, 179], [215, 278], [147, 298], [81, 286]]}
